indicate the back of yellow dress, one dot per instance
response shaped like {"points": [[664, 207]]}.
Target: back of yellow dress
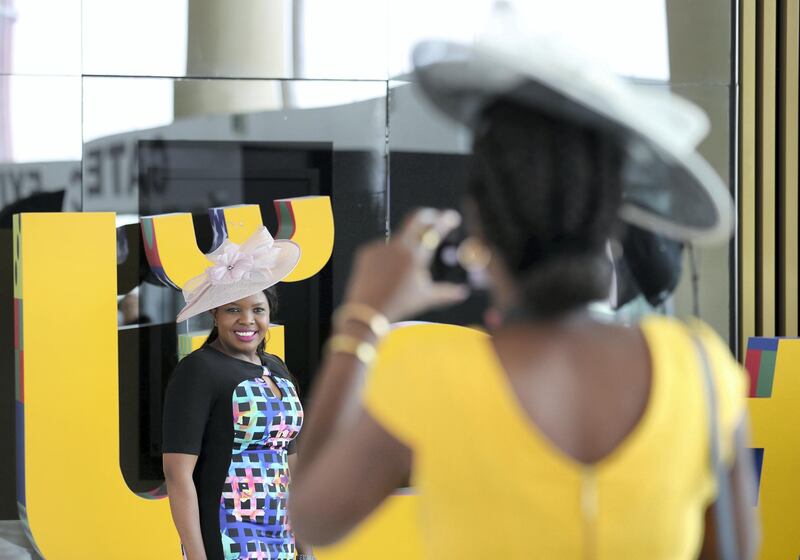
{"points": [[492, 485]]}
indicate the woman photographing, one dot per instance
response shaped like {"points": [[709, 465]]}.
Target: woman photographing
{"points": [[558, 436]]}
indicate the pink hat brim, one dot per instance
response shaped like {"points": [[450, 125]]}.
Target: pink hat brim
{"points": [[220, 294]]}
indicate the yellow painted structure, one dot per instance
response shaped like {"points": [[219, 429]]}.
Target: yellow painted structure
{"points": [[75, 498], [72, 496], [308, 221], [67, 401], [775, 421], [171, 244], [241, 221], [68, 414], [390, 533]]}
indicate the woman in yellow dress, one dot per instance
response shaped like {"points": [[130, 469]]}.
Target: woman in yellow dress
{"points": [[558, 436]]}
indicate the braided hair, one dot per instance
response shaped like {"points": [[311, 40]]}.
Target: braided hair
{"points": [[547, 192]]}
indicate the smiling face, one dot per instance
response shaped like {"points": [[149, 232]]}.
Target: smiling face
{"points": [[242, 324]]}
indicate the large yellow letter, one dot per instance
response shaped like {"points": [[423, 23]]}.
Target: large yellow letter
{"points": [[71, 490], [171, 246], [774, 367], [71, 493]]}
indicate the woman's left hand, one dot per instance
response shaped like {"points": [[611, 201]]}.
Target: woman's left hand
{"points": [[394, 278]]}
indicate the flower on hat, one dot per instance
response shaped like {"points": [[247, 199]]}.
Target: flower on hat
{"points": [[232, 265], [238, 271], [249, 262]]}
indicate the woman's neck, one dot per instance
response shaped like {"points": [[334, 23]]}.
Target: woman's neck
{"points": [[517, 314], [252, 358]]}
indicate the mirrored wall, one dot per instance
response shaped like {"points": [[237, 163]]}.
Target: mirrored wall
{"points": [[149, 107]]}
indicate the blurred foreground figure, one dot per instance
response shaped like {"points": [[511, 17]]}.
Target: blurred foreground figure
{"points": [[558, 436]]}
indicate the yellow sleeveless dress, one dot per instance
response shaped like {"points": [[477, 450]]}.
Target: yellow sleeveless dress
{"points": [[491, 485]]}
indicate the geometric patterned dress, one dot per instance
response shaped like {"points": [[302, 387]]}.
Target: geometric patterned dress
{"points": [[253, 508], [221, 409]]}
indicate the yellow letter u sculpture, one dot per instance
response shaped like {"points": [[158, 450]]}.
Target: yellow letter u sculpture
{"points": [[72, 497]]}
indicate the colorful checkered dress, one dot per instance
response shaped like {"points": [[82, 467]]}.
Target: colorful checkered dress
{"points": [[223, 410]]}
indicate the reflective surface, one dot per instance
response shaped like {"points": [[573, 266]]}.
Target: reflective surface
{"points": [[113, 34], [700, 41], [40, 148], [427, 149], [679, 41], [44, 122], [714, 264], [40, 37], [428, 167], [606, 29], [198, 144], [142, 107], [259, 39]]}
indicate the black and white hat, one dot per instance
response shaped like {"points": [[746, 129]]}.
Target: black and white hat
{"points": [[668, 187]]}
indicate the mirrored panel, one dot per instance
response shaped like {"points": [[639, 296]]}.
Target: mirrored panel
{"points": [[700, 41], [258, 39], [113, 34], [161, 146], [347, 39], [426, 149], [652, 40], [715, 265], [40, 138], [40, 37], [428, 166]]}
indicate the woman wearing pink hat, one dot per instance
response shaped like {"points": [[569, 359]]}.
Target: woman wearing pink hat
{"points": [[231, 413]]}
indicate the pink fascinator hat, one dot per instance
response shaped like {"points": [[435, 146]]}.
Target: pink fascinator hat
{"points": [[239, 271]]}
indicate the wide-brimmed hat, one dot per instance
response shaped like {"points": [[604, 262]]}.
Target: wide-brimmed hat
{"points": [[239, 271], [668, 187]]}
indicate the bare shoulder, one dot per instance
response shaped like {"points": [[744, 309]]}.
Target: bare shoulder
{"points": [[602, 370], [570, 343]]}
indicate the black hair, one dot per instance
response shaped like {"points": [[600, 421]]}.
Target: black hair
{"points": [[547, 193], [275, 364]]}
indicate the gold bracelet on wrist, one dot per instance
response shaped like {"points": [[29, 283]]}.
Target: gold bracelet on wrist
{"points": [[363, 313], [363, 351]]}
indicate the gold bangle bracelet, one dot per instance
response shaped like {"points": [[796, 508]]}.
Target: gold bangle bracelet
{"points": [[346, 344], [363, 313]]}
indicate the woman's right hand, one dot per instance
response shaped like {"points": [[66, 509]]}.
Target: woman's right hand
{"points": [[394, 278]]}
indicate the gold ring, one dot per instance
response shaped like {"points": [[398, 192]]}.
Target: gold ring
{"points": [[473, 254], [430, 239]]}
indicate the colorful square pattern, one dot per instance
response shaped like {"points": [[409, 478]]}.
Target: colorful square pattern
{"points": [[758, 462], [760, 365], [253, 507]]}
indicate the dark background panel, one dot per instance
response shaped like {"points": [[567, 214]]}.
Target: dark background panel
{"points": [[439, 181], [359, 209], [151, 349], [195, 175]]}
